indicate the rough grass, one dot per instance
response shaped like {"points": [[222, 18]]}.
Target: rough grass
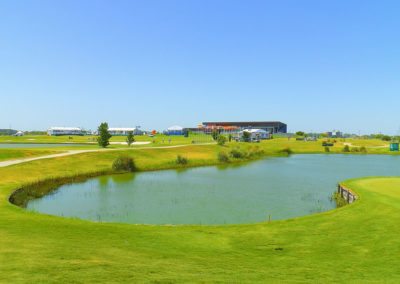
{"points": [[358, 242], [13, 154]]}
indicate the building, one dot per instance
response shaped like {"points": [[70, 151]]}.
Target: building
{"points": [[269, 126], [19, 133], [57, 131], [123, 131], [174, 130], [334, 134], [255, 134]]}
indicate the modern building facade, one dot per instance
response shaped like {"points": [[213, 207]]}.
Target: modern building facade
{"points": [[269, 126], [57, 131], [123, 131]]}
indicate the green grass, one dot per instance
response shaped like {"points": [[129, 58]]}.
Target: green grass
{"points": [[157, 140], [12, 154], [358, 242]]}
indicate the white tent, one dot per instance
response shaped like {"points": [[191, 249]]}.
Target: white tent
{"points": [[256, 134], [175, 128], [64, 131]]}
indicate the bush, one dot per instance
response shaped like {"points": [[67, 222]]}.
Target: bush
{"points": [[237, 154], [287, 151], [221, 140], [346, 148], [223, 157], [123, 163], [255, 152], [327, 149], [180, 160], [363, 149], [355, 149]]}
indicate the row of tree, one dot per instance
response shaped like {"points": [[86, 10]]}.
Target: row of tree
{"points": [[104, 136]]}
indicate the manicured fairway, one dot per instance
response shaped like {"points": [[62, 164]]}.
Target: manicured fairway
{"points": [[359, 242]]}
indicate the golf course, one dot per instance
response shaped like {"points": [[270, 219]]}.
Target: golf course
{"points": [[354, 243]]}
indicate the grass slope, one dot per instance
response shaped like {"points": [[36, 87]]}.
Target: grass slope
{"points": [[357, 242]]}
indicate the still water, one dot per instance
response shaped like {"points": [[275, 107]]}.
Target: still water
{"points": [[278, 187]]}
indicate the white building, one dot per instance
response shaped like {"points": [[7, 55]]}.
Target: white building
{"points": [[256, 134], [56, 131], [123, 131], [19, 133]]}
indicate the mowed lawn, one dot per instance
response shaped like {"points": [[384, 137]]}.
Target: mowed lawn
{"points": [[358, 242]]}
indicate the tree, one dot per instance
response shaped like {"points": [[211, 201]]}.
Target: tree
{"points": [[230, 137], [130, 138], [300, 133], [215, 134], [246, 136], [104, 135]]}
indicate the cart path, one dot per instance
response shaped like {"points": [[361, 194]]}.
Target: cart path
{"points": [[351, 145], [75, 152]]}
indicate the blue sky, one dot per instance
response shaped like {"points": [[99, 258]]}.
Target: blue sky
{"points": [[315, 65]]}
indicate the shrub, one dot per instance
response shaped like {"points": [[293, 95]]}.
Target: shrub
{"points": [[237, 154], [223, 157], [346, 148], [327, 149], [124, 163], [255, 152], [355, 149], [363, 149], [287, 151], [180, 160], [221, 140]]}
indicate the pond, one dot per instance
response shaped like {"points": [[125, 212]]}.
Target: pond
{"points": [[281, 188], [36, 145]]}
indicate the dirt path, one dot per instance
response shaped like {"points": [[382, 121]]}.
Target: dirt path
{"points": [[75, 152], [351, 145]]}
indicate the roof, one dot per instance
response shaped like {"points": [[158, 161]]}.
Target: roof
{"points": [[65, 128], [175, 128], [244, 123]]}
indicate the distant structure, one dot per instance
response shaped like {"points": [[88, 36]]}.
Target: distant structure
{"points": [[255, 134], [334, 134], [7, 131], [174, 130], [270, 127], [58, 131], [123, 131], [19, 133]]}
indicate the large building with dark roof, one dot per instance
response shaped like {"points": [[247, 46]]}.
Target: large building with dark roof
{"points": [[269, 126]]}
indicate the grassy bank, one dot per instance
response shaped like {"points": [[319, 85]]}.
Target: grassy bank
{"points": [[356, 242]]}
